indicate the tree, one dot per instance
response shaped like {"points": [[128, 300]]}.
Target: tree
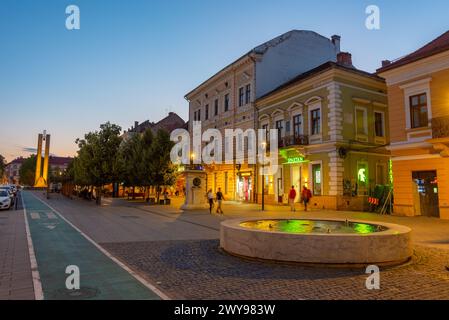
{"points": [[163, 171], [130, 161], [97, 161], [27, 171], [147, 142], [2, 166]]}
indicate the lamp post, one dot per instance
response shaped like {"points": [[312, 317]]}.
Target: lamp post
{"points": [[192, 157], [264, 145]]}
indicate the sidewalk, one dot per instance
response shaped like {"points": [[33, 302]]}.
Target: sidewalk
{"points": [[432, 232], [16, 282]]}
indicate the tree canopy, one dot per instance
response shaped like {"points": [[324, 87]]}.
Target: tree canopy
{"points": [[143, 160], [27, 171]]}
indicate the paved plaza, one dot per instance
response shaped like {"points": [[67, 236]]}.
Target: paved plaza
{"points": [[177, 255]]}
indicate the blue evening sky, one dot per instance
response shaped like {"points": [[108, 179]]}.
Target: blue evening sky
{"points": [[135, 60]]}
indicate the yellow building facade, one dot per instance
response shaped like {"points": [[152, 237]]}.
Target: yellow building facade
{"points": [[418, 94], [332, 132]]}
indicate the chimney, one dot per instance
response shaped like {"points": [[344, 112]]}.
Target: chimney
{"points": [[345, 59], [336, 41], [386, 63]]}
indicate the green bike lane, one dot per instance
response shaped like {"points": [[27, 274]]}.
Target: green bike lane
{"points": [[58, 244]]}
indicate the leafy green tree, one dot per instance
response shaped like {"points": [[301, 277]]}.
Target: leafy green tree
{"points": [[163, 171], [97, 162], [130, 161], [27, 171], [147, 157]]}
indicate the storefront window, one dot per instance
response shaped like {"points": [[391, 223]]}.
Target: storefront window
{"points": [[316, 176], [362, 177]]}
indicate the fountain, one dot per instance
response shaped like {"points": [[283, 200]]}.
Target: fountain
{"points": [[316, 241]]}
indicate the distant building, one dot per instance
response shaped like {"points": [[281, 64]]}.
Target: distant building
{"points": [[12, 171], [227, 99], [169, 123]]}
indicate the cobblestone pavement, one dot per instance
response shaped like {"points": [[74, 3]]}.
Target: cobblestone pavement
{"points": [[15, 268], [197, 269]]}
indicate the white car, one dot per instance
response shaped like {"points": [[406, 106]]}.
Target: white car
{"points": [[9, 191], [5, 199]]}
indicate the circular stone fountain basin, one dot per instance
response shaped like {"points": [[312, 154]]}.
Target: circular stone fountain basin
{"points": [[329, 241]]}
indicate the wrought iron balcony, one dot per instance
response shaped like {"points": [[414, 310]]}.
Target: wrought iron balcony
{"points": [[440, 127], [294, 140]]}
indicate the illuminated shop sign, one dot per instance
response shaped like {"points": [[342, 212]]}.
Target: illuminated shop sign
{"points": [[295, 160]]}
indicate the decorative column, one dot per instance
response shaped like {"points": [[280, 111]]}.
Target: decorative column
{"points": [[38, 160], [335, 123]]}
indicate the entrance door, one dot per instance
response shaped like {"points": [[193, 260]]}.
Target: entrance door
{"points": [[295, 174], [426, 185], [244, 188]]}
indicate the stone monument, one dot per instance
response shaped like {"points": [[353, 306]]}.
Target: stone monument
{"points": [[41, 176], [195, 190]]}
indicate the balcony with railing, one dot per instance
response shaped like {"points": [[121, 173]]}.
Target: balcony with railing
{"points": [[294, 140], [440, 127]]}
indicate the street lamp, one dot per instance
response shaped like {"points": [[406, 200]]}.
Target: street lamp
{"points": [[192, 157], [264, 145]]}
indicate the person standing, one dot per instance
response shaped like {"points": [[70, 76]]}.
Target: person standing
{"points": [[220, 199], [210, 199], [291, 198], [306, 195]]}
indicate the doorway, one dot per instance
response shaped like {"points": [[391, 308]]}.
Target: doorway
{"points": [[425, 184], [244, 187]]}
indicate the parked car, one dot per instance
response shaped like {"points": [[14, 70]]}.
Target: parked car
{"points": [[5, 200], [9, 191]]}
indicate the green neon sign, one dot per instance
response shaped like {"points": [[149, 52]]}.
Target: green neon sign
{"points": [[295, 160], [362, 175]]}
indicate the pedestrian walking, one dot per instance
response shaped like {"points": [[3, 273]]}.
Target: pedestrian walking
{"points": [[306, 195], [210, 199], [220, 199], [291, 198]]}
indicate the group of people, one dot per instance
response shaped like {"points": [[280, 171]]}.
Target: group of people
{"points": [[218, 197], [306, 195]]}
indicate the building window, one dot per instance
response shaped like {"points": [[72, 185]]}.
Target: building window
{"points": [[279, 127], [418, 111], [315, 116], [297, 125], [361, 121], [267, 132], [379, 122], [248, 94], [206, 116], [316, 179], [381, 174], [199, 115], [226, 102], [287, 126], [226, 182], [241, 96], [216, 107], [240, 142], [362, 177], [227, 150], [194, 116]]}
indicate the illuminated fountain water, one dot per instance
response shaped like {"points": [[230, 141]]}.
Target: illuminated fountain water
{"points": [[317, 241]]}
